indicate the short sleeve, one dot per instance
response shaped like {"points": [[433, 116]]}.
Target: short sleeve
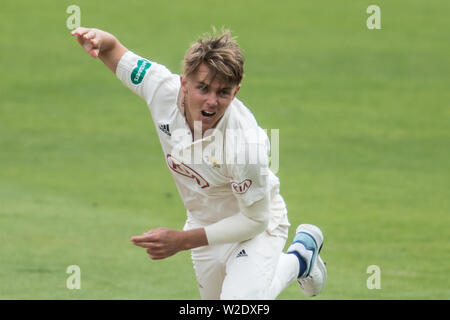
{"points": [[247, 162], [141, 76]]}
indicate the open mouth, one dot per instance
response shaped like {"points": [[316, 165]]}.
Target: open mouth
{"points": [[208, 114]]}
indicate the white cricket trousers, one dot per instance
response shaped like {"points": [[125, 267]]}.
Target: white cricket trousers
{"points": [[255, 269]]}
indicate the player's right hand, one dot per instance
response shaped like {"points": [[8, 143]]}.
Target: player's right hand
{"points": [[90, 39]]}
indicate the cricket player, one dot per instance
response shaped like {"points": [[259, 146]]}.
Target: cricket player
{"points": [[237, 223]]}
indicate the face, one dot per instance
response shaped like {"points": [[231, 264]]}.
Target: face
{"points": [[206, 98]]}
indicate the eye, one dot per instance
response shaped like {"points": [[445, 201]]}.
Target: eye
{"points": [[225, 93], [203, 89]]}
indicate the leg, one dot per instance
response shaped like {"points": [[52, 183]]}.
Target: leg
{"points": [[209, 266], [270, 270], [251, 267], [286, 273], [301, 263], [257, 268], [209, 270]]}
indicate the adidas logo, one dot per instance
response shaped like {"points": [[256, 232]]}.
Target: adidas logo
{"points": [[242, 253], [165, 128]]}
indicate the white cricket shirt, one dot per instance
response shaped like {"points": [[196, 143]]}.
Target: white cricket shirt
{"points": [[209, 185]]}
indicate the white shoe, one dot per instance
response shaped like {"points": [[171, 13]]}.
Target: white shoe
{"points": [[314, 283], [306, 246]]}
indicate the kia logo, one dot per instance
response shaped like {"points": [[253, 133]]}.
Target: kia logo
{"points": [[241, 187]]}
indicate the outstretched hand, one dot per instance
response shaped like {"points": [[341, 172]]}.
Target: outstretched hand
{"points": [[159, 243], [89, 39], [100, 44]]}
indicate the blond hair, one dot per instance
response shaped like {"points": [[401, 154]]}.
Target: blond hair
{"points": [[220, 53]]}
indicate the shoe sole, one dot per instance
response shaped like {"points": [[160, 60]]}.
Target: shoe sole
{"points": [[323, 269]]}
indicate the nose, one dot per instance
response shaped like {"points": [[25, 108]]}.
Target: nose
{"points": [[211, 100]]}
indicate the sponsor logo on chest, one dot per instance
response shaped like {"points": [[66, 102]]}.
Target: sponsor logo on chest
{"points": [[241, 187], [183, 169]]}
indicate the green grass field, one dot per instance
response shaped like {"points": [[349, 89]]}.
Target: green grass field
{"points": [[364, 143]]}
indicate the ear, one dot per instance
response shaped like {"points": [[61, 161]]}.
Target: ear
{"points": [[183, 82], [237, 90]]}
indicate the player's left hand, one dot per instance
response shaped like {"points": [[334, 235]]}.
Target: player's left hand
{"points": [[160, 243]]}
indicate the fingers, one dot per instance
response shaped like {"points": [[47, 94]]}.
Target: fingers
{"points": [[88, 39], [150, 236], [89, 35], [155, 250], [80, 31], [148, 245], [94, 53], [146, 237], [95, 42], [154, 243], [85, 33], [156, 255]]}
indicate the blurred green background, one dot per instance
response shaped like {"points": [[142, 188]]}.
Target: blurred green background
{"points": [[364, 142]]}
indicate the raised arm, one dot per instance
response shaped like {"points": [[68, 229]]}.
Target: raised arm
{"points": [[100, 44]]}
